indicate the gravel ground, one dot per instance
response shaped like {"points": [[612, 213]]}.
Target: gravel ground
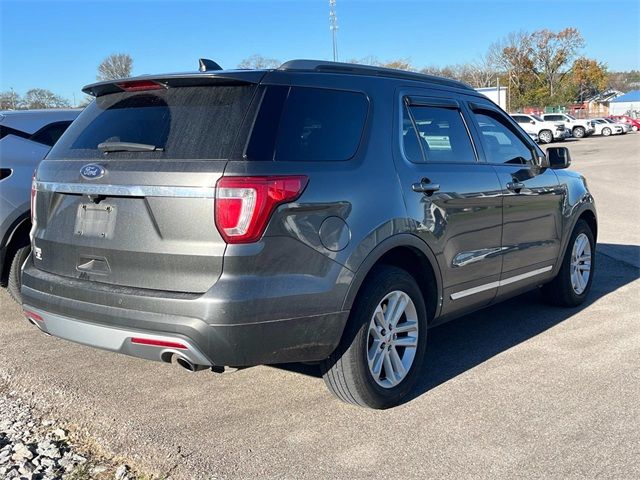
{"points": [[32, 448]]}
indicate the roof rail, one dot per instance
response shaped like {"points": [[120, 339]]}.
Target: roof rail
{"points": [[357, 69], [206, 65]]}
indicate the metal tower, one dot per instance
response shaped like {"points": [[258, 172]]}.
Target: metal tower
{"points": [[333, 26]]}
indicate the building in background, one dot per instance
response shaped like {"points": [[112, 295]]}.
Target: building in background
{"points": [[627, 104], [497, 95]]}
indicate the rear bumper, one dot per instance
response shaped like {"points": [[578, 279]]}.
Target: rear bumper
{"points": [[217, 328]]}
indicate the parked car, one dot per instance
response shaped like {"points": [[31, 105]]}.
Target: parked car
{"points": [[534, 137], [25, 138], [634, 123], [578, 128], [605, 128], [626, 128], [547, 131], [236, 218]]}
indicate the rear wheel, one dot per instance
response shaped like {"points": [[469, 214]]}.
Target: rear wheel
{"points": [[606, 132], [634, 128], [380, 356], [572, 285], [15, 273], [545, 136], [578, 132]]}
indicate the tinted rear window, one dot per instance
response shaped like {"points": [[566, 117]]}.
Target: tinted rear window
{"points": [[307, 124], [185, 122]]}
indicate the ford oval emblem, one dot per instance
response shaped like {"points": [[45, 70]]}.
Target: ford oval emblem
{"points": [[92, 171]]}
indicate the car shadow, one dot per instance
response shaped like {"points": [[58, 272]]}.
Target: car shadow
{"points": [[464, 343]]}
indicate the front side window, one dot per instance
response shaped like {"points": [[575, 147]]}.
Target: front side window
{"points": [[501, 144], [521, 119], [436, 135], [305, 124]]}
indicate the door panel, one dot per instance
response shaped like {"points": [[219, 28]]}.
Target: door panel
{"points": [[453, 201], [532, 200]]}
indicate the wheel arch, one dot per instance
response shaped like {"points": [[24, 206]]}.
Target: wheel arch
{"points": [[410, 253], [586, 213]]}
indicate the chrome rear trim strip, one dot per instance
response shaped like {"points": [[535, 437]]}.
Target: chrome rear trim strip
{"points": [[127, 190], [499, 283]]}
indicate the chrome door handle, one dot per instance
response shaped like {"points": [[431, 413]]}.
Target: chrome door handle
{"points": [[515, 186], [425, 186]]}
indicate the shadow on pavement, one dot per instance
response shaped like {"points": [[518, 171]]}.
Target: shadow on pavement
{"points": [[462, 344]]}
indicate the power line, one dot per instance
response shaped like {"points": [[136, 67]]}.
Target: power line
{"points": [[333, 26]]}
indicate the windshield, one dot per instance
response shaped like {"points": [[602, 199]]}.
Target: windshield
{"points": [[571, 116], [176, 123], [537, 118]]}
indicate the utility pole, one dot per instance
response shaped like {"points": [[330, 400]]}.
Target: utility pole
{"points": [[333, 26]]}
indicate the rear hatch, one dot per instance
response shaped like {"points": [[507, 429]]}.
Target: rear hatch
{"points": [[126, 195]]}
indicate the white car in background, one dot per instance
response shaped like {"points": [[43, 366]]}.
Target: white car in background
{"points": [[625, 127], [547, 131], [578, 128], [605, 128]]}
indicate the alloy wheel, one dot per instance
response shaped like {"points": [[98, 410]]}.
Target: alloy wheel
{"points": [[392, 341], [580, 264]]}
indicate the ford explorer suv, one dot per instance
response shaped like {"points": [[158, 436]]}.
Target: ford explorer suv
{"points": [[578, 128], [25, 138], [547, 131], [319, 212]]}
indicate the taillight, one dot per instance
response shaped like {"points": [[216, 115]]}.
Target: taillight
{"points": [[34, 192], [245, 204], [140, 85], [33, 316]]}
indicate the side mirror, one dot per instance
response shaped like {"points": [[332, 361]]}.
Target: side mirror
{"points": [[532, 122], [558, 157]]}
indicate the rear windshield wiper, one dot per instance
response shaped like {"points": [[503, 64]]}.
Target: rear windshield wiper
{"points": [[127, 147]]}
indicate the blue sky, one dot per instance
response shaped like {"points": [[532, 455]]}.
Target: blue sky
{"points": [[58, 45]]}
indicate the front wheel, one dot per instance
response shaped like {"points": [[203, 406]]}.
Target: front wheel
{"points": [[579, 132], [545, 136], [15, 273], [381, 353], [606, 132], [573, 282]]}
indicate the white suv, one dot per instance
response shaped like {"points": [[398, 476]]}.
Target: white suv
{"points": [[578, 128], [547, 131]]}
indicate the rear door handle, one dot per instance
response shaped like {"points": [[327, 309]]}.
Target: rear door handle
{"points": [[515, 186], [425, 186]]}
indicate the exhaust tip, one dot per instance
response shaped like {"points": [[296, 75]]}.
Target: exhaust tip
{"points": [[187, 364]]}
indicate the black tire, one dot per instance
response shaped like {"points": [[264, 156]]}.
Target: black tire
{"points": [[579, 132], [15, 273], [545, 136], [606, 131], [560, 291], [346, 372]]}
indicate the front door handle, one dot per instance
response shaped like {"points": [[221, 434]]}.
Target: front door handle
{"points": [[425, 186], [515, 186]]}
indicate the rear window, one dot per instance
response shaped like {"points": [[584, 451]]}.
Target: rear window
{"points": [[307, 124], [183, 123]]}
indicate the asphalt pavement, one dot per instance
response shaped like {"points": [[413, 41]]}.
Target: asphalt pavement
{"points": [[520, 389]]}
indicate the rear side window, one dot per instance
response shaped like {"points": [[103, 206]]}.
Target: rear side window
{"points": [[51, 133], [307, 124], [436, 135], [182, 123]]}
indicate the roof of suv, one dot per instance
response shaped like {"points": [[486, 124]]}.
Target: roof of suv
{"points": [[254, 76]]}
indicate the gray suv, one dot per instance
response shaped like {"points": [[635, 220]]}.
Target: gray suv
{"points": [[319, 212], [25, 138]]}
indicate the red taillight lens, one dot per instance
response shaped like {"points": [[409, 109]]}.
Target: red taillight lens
{"points": [[245, 204], [158, 343], [33, 198], [33, 316], [140, 85]]}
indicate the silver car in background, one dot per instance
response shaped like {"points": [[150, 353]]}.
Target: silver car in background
{"points": [[25, 138]]}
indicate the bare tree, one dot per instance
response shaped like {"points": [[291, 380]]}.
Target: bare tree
{"points": [[116, 65], [10, 100], [41, 98], [257, 61]]}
